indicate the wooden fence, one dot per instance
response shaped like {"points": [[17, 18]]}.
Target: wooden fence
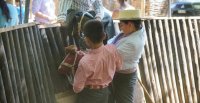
{"points": [[169, 67]]}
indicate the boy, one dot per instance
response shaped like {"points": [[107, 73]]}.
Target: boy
{"points": [[97, 67]]}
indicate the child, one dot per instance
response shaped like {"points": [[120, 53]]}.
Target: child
{"points": [[97, 67]]}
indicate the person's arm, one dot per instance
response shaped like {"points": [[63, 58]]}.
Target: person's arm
{"points": [[80, 78], [99, 9], [41, 15], [118, 61], [36, 5]]}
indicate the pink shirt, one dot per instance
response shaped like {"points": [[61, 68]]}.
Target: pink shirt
{"points": [[97, 67]]}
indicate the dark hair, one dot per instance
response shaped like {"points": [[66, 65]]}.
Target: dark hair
{"points": [[94, 30], [137, 23], [4, 9]]}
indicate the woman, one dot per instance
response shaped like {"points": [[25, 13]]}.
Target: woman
{"points": [[8, 14], [130, 44]]}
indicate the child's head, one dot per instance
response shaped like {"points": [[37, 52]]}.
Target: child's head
{"points": [[94, 31]]}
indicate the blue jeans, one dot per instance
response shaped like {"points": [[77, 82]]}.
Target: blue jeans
{"points": [[123, 88], [93, 95]]}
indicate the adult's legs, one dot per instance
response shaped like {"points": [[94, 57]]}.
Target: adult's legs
{"points": [[123, 85]]}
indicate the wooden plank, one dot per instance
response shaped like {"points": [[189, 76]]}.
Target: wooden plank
{"points": [[197, 42], [15, 67], [165, 61], [2, 89], [45, 63], [187, 70], [149, 97], [42, 67], [16, 27], [183, 62], [149, 57], [41, 81], [11, 68], [6, 76], [20, 66], [177, 68], [168, 27], [153, 59], [192, 57], [160, 66], [39, 90], [27, 71]]}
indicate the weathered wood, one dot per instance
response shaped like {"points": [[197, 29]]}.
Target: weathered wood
{"points": [[186, 65], [197, 42], [17, 27], [152, 73], [146, 81], [166, 27], [2, 89], [44, 68], [6, 75], [59, 80], [27, 71], [39, 91], [20, 66], [191, 58], [10, 65], [176, 60], [159, 62], [40, 78], [165, 60], [15, 67], [153, 59]]}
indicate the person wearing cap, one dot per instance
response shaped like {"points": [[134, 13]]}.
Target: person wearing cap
{"points": [[130, 44], [97, 67]]}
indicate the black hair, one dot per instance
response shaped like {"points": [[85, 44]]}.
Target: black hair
{"points": [[4, 9], [137, 23], [94, 30]]}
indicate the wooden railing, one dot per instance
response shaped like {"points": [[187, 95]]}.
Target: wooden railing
{"points": [[169, 67]]}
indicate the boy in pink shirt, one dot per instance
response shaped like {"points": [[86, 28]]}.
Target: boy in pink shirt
{"points": [[97, 67]]}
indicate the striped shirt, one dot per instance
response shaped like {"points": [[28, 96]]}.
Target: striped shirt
{"points": [[83, 5]]}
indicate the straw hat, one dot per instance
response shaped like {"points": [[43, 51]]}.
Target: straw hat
{"points": [[127, 15]]}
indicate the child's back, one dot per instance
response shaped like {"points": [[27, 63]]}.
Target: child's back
{"points": [[97, 67]]}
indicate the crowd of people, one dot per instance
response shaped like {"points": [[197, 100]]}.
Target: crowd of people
{"points": [[107, 73]]}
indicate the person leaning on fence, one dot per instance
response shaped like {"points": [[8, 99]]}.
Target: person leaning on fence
{"points": [[66, 14], [97, 67], [44, 11], [130, 44], [8, 14]]}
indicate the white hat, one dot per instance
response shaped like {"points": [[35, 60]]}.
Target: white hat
{"points": [[127, 15]]}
